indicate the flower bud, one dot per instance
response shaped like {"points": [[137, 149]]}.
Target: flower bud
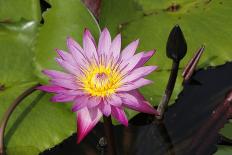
{"points": [[176, 47]]}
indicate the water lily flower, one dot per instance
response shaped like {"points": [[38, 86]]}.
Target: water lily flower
{"points": [[100, 79]]}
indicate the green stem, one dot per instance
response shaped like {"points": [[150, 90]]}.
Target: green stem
{"points": [[8, 113]]}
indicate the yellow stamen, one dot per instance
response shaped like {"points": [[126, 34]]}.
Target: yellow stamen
{"points": [[101, 80]]}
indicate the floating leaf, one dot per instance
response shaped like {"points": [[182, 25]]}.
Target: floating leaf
{"points": [[224, 150], [65, 18], [15, 10], [227, 130], [16, 40], [36, 123]]}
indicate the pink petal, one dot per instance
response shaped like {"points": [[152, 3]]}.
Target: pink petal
{"points": [[51, 89], [105, 108], [134, 85], [145, 58], [74, 92], [89, 45], [114, 100], [67, 57], [93, 102], [67, 66], [90, 36], [131, 63], [136, 102], [86, 120], [62, 98], [119, 114], [115, 47], [69, 84], [129, 51], [58, 89], [104, 42], [57, 74], [137, 94], [138, 73], [80, 102], [73, 46], [76, 50]]}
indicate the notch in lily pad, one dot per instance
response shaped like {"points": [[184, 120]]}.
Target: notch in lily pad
{"points": [[176, 47]]}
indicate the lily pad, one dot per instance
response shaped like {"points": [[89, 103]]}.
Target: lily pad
{"points": [[203, 22], [15, 10], [224, 150], [227, 130], [16, 40], [65, 18], [36, 123]]}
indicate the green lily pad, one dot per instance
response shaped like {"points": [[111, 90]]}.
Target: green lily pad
{"points": [[203, 22], [114, 18], [65, 18], [16, 40], [224, 150], [36, 123], [227, 130], [15, 10]]}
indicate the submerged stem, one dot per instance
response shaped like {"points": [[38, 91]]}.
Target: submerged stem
{"points": [[111, 150], [169, 89], [8, 113], [165, 137]]}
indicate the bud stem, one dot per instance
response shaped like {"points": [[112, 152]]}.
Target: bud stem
{"points": [[111, 150], [169, 89], [8, 113]]}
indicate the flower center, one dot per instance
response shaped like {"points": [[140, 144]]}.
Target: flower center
{"points": [[100, 80]]}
